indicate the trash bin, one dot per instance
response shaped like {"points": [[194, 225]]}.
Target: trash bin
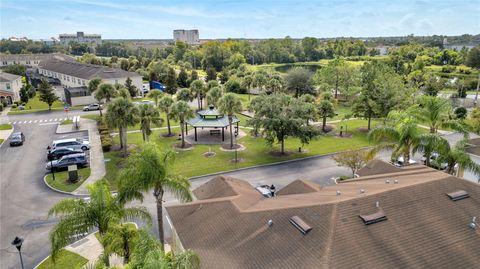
{"points": [[73, 173]]}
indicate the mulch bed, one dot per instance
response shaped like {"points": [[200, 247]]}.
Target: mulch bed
{"points": [[227, 146], [328, 128], [363, 130], [238, 160], [186, 147], [344, 135], [209, 154]]}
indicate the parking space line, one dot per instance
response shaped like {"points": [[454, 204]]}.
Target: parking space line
{"points": [[50, 120], [25, 122], [14, 122], [30, 122], [35, 121], [55, 120]]}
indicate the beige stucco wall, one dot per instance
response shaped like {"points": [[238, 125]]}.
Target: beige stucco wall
{"points": [[15, 87], [83, 100]]}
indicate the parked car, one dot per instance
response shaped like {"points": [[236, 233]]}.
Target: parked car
{"points": [[60, 152], [91, 107], [266, 190], [79, 159], [17, 139], [70, 143]]}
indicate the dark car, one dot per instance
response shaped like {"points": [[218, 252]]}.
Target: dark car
{"points": [[67, 160], [17, 139], [60, 152]]}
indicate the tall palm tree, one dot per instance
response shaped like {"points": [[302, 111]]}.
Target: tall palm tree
{"points": [[155, 95], [198, 90], [214, 95], [433, 110], [105, 91], [402, 135], [230, 104], [151, 169], [182, 111], [148, 115], [120, 240], [428, 144], [78, 216], [457, 156], [121, 113], [92, 88], [121, 91], [165, 105]]}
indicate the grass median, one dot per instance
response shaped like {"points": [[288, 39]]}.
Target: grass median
{"points": [[5, 126], [65, 259], [61, 180]]}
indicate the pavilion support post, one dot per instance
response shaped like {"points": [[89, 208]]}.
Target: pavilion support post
{"points": [[195, 133], [186, 128], [223, 134], [236, 133]]}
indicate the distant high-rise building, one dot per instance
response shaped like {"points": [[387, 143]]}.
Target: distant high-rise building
{"points": [[80, 37], [187, 36]]}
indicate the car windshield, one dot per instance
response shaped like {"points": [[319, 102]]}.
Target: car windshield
{"points": [[16, 137]]}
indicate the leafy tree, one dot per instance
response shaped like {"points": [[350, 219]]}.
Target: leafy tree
{"points": [[148, 115], [16, 69], [211, 84], [473, 58], [46, 94], [353, 159], [211, 74], [214, 95], [230, 104], [105, 91], [121, 113], [460, 113], [130, 87], [121, 91], [155, 95], [276, 117], [236, 60], [325, 110], [93, 85], [223, 76], [149, 169], [401, 135], [336, 75], [25, 93], [185, 95], [171, 81], [182, 111], [182, 79], [193, 76], [165, 105], [198, 89], [102, 212], [299, 81], [234, 85], [433, 85]]}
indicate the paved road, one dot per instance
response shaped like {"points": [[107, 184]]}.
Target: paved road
{"points": [[24, 198], [42, 118]]}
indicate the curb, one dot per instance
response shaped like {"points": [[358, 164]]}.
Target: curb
{"points": [[59, 191], [271, 164]]}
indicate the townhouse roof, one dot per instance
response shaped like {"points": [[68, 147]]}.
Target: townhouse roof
{"points": [[85, 71], [7, 77], [229, 226], [35, 57]]}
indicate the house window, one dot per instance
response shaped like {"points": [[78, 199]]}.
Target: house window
{"points": [[8, 86], [68, 78]]}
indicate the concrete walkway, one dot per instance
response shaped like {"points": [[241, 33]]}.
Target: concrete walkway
{"points": [[97, 161], [88, 247]]}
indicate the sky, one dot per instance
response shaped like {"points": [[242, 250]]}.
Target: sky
{"points": [[148, 19]]}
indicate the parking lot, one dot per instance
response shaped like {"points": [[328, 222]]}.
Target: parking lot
{"points": [[25, 199]]}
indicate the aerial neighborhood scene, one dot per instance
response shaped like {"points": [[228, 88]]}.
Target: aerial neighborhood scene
{"points": [[239, 134]]}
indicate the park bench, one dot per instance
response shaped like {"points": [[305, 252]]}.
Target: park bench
{"points": [[215, 132]]}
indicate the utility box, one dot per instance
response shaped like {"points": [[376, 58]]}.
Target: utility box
{"points": [[73, 173]]}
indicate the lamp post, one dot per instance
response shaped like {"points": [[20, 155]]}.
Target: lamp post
{"points": [[17, 242], [51, 165]]}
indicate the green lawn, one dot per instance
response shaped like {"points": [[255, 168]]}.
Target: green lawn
{"points": [[65, 259], [65, 122], [341, 110], [35, 104], [193, 163], [61, 182], [1, 141], [5, 126]]}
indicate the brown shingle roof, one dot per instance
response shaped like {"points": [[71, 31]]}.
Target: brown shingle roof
{"points": [[425, 229], [375, 167], [299, 186]]}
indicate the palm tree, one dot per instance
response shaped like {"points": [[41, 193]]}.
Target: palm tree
{"points": [[155, 95], [121, 91], [214, 94], [230, 104], [429, 144], [120, 239], [105, 91], [78, 216], [121, 113], [182, 111], [148, 115], [456, 156], [433, 110], [198, 89], [151, 169], [165, 105], [401, 136], [92, 88], [325, 110]]}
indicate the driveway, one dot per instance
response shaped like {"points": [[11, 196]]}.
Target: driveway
{"points": [[24, 198]]}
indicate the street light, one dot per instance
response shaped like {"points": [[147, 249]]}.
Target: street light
{"points": [[17, 242]]}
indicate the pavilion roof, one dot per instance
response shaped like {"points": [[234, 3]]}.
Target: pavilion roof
{"points": [[200, 121]]}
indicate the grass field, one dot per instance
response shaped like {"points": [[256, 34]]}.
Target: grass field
{"points": [[5, 126], [193, 163], [65, 259], [34, 104], [61, 180]]}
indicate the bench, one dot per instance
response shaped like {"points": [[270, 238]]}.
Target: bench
{"points": [[76, 122], [214, 132]]}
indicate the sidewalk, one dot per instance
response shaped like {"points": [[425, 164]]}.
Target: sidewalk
{"points": [[97, 161], [4, 115]]}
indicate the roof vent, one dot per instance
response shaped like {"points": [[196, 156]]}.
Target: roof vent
{"points": [[377, 204], [362, 191], [473, 224], [395, 181], [373, 218], [339, 193], [270, 223], [387, 181], [211, 107], [300, 224], [458, 195]]}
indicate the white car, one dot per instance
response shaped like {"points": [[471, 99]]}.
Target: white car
{"points": [[91, 107], [70, 143]]}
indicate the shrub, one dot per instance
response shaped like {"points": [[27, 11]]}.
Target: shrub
{"points": [[460, 112], [14, 106], [1, 107], [233, 85], [106, 142], [448, 69]]}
